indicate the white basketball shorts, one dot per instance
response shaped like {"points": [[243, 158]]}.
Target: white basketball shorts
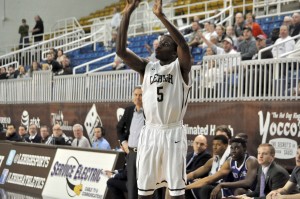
{"points": [[161, 159]]}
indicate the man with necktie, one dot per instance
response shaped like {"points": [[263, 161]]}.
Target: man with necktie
{"points": [[270, 176]]}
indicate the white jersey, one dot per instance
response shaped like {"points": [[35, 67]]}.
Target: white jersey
{"points": [[165, 93]]}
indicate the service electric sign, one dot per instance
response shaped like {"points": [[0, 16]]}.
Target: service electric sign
{"points": [[78, 174]]}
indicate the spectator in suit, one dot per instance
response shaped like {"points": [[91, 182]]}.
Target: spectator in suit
{"points": [[23, 132], [33, 137], [197, 158], [274, 176], [80, 140], [99, 141], [129, 129], [220, 144], [11, 134], [44, 131], [288, 190], [117, 181]]}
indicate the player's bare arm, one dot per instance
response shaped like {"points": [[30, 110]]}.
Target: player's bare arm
{"points": [[201, 170], [130, 58], [252, 166], [223, 172], [183, 50]]}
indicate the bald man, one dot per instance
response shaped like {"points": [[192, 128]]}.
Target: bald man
{"points": [[196, 159], [199, 156]]}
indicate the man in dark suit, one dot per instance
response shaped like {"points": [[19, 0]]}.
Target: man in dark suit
{"points": [[199, 156], [196, 159], [272, 175], [33, 137], [129, 129]]}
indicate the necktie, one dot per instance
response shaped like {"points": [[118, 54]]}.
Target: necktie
{"points": [[77, 142], [262, 184], [191, 160]]}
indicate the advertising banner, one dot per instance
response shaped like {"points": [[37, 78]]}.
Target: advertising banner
{"points": [[79, 174], [275, 122], [25, 167]]}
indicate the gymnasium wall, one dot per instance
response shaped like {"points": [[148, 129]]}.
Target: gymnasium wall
{"points": [[12, 11], [271, 122]]}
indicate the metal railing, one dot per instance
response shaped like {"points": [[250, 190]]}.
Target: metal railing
{"points": [[220, 78]]}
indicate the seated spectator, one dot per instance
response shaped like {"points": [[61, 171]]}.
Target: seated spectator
{"points": [[239, 26], [44, 131], [53, 51], [230, 33], [152, 56], [80, 140], [210, 34], [220, 144], [220, 30], [296, 24], [197, 158], [288, 21], [3, 73], [256, 29], [58, 137], [117, 181], [53, 64], [22, 72], [35, 66], [272, 175], [33, 137], [194, 39], [261, 44], [60, 56], [12, 74], [11, 134], [66, 66], [287, 190], [284, 47], [99, 141], [23, 132], [240, 171], [247, 46]]}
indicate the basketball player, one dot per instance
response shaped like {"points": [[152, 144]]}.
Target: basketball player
{"points": [[162, 144]]}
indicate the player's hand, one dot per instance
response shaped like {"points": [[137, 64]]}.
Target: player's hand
{"points": [[125, 147], [109, 173], [215, 192], [157, 8], [131, 5]]}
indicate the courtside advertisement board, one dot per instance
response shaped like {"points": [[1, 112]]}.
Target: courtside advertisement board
{"points": [[25, 167], [78, 174]]}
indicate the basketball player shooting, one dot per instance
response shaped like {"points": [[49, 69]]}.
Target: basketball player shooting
{"points": [[162, 145]]}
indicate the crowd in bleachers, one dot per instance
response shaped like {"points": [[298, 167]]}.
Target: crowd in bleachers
{"points": [[243, 36]]}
